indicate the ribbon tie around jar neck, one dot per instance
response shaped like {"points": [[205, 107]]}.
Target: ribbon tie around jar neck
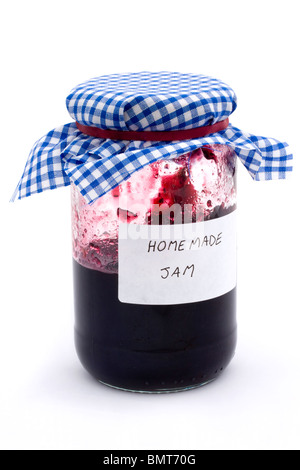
{"points": [[150, 136]]}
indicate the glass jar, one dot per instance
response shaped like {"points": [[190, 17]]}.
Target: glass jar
{"points": [[176, 331]]}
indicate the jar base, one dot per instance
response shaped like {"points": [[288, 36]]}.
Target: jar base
{"points": [[162, 391]]}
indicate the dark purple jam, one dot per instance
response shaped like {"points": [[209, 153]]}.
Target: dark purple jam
{"points": [[150, 348]]}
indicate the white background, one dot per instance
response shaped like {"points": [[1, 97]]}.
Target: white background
{"points": [[47, 399]]}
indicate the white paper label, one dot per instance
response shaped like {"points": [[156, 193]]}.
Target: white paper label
{"points": [[178, 264]]}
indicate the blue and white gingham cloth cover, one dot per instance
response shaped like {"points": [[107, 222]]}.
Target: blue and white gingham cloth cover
{"points": [[141, 102]]}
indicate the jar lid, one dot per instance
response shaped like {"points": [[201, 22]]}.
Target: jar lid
{"points": [[149, 101], [143, 103]]}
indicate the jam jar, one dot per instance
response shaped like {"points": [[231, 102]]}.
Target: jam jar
{"points": [[157, 313]]}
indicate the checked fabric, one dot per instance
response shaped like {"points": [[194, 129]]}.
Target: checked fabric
{"points": [[146, 101]]}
